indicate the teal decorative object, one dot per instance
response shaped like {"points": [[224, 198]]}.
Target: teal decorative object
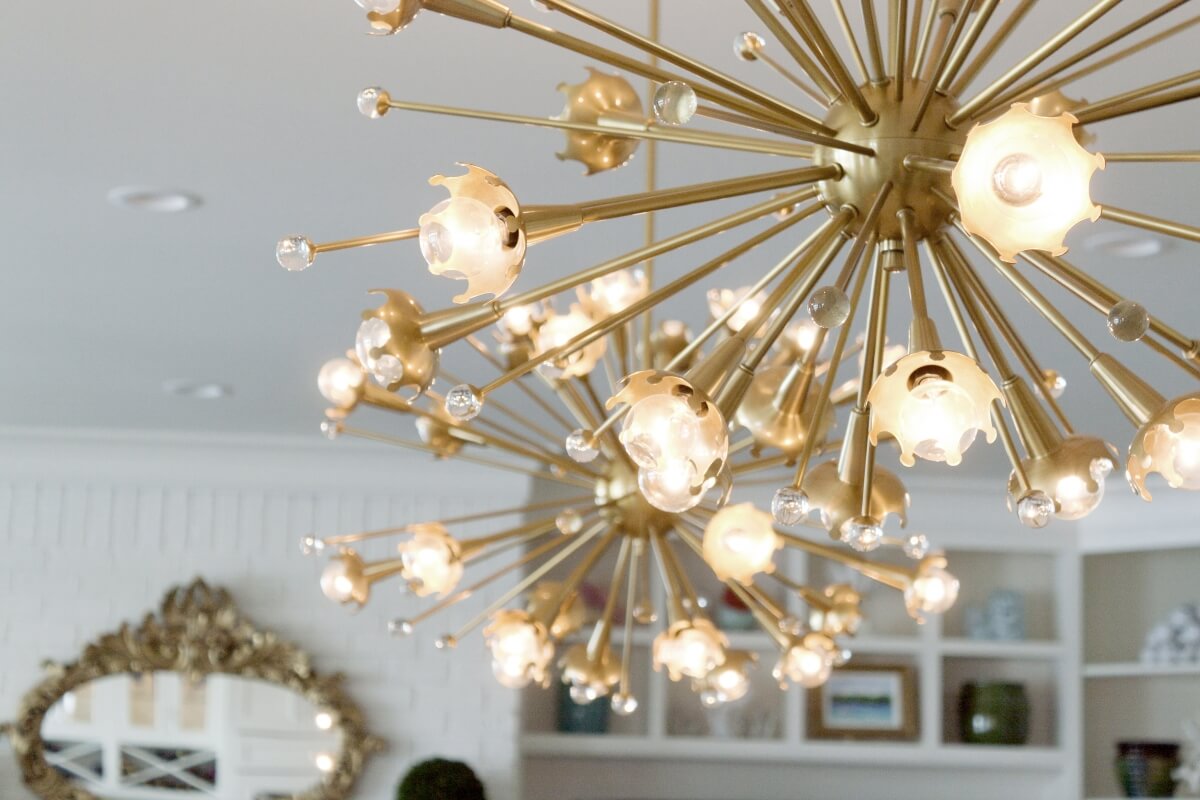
{"points": [[581, 717], [1144, 768], [993, 713]]}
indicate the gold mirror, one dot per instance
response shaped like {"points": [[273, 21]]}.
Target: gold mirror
{"points": [[194, 702]]}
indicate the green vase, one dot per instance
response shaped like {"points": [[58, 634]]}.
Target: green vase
{"points": [[1144, 768], [993, 713], [581, 717]]}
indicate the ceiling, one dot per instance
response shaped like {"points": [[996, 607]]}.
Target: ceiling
{"points": [[251, 106]]}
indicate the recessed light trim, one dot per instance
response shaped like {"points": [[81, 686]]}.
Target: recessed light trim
{"points": [[1126, 244], [154, 199], [197, 390]]}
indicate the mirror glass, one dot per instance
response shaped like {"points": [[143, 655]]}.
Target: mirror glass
{"points": [[163, 736]]}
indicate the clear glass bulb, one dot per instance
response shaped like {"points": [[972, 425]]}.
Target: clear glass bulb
{"points": [[1017, 179], [558, 331], [461, 237], [740, 542], [933, 591], [518, 320], [1184, 452], [431, 562], [373, 335], [916, 546], [339, 580], [520, 648], [674, 103], [1075, 499], [617, 291], [689, 652], [806, 666], [670, 487], [939, 417], [339, 382], [789, 506]]}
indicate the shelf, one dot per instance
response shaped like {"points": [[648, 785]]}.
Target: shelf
{"points": [[1136, 669], [981, 648], [728, 750]]}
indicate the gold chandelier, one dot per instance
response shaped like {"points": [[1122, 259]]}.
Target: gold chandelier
{"points": [[904, 165]]}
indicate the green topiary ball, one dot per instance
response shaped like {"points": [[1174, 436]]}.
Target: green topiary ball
{"points": [[440, 779]]}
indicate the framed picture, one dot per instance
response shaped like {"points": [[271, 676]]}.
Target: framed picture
{"points": [[868, 701]]}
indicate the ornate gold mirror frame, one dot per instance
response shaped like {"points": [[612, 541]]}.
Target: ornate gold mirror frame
{"points": [[198, 632]]}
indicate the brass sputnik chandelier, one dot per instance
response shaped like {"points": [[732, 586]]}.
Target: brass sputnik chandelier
{"points": [[910, 169]]}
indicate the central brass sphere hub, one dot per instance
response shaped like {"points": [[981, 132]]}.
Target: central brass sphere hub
{"points": [[893, 139]]}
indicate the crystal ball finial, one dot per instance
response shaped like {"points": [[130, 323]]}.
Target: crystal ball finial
{"points": [[789, 506], [829, 307], [295, 253], [581, 447], [1035, 510], [674, 103], [464, 402], [1128, 321], [373, 102]]}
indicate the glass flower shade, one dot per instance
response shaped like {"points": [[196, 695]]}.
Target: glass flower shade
{"points": [[673, 448], [728, 682], [935, 404], [1023, 181], [520, 647], [740, 542], [1072, 475], [721, 300], [1169, 444], [463, 238], [808, 662], [340, 381], [932, 591], [432, 561], [343, 581], [560, 329], [689, 649], [615, 292]]}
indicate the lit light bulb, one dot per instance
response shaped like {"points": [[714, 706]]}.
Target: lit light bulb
{"points": [[935, 404], [721, 300], [431, 560], [1169, 444], [463, 238], [808, 662], [689, 649], [1067, 482], [520, 647], [323, 720], [325, 762], [728, 682], [589, 678], [932, 591], [670, 487], [863, 534], [1023, 182], [740, 542], [373, 335], [340, 381], [558, 331], [520, 320], [343, 581], [615, 292]]}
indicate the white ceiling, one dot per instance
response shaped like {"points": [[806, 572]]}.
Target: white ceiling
{"points": [[251, 105]]}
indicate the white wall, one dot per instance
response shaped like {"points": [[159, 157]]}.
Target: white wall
{"points": [[93, 532]]}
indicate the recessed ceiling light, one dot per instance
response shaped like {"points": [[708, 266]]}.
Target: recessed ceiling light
{"points": [[153, 198], [197, 390], [1126, 244]]}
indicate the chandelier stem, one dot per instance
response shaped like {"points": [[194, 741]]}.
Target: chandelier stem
{"points": [[658, 50], [1007, 330], [919, 44], [1033, 86], [770, 462], [636, 554], [898, 22], [676, 612], [926, 164], [934, 75], [598, 643], [922, 332], [992, 47], [472, 549], [1149, 223], [795, 80], [1141, 99], [802, 59], [625, 128], [978, 104], [1178, 156], [800, 14], [874, 46], [1120, 55], [634, 309], [965, 45], [851, 40], [528, 391], [893, 575], [630, 64], [365, 241]]}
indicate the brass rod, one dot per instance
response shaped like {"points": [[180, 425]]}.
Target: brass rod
{"points": [[820, 42], [649, 228], [979, 102], [795, 80], [675, 609], [993, 45], [892, 575], [1105, 110], [641, 202], [915, 14], [899, 18], [783, 130], [647, 131], [601, 328], [874, 46], [530, 579], [597, 647], [487, 462], [848, 32], [635, 557], [802, 59], [1139, 93], [366, 241], [940, 44], [658, 50], [912, 264], [935, 77], [509, 412], [481, 348], [876, 334], [1008, 331], [937, 16], [1096, 294], [630, 64], [1185, 364], [1031, 87], [963, 49], [1149, 223], [927, 164], [472, 549], [569, 587], [463, 594], [1178, 156], [1121, 55]]}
